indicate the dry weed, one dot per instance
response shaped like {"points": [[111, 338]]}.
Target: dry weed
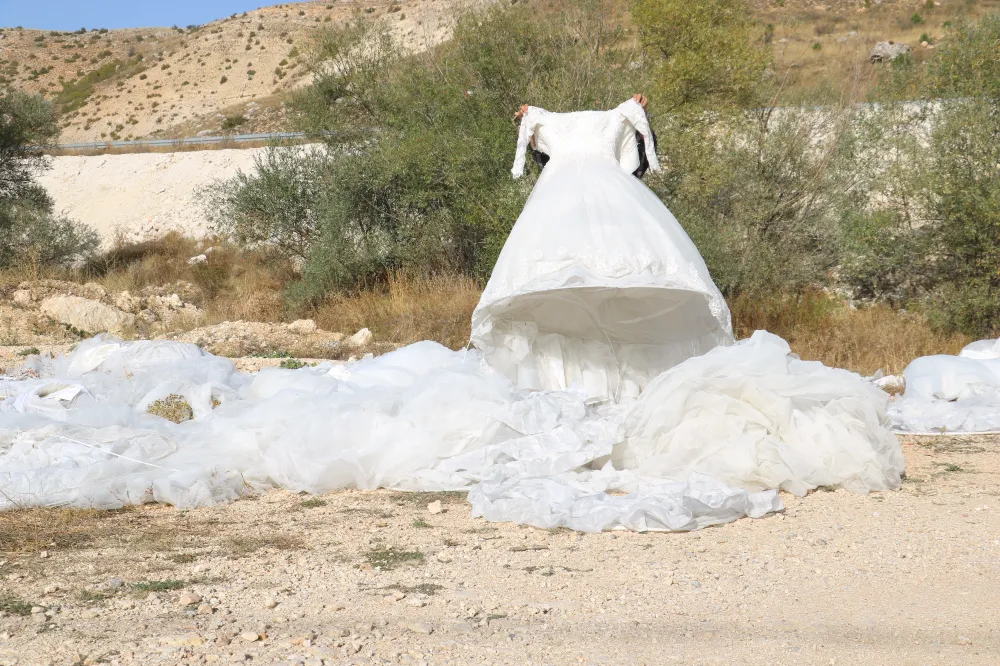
{"points": [[408, 310], [245, 285], [32, 530], [821, 328], [172, 408]]}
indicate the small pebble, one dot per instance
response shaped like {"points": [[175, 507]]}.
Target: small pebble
{"points": [[250, 636], [435, 507]]}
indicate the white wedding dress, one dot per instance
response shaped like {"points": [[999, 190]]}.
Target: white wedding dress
{"points": [[599, 294], [597, 285]]}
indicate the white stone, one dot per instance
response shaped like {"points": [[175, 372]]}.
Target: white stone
{"points": [[435, 507], [362, 338], [302, 327], [85, 314], [126, 302], [22, 297], [200, 259]]}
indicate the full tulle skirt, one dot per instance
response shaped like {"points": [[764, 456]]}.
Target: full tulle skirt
{"points": [[598, 287]]}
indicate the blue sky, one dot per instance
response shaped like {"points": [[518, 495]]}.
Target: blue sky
{"points": [[76, 14]]}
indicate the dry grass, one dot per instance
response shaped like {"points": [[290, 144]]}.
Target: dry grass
{"points": [[33, 530], [149, 528], [233, 284], [172, 408], [249, 286], [821, 328], [408, 310], [829, 45]]}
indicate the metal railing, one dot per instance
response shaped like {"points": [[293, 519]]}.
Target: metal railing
{"points": [[190, 141]]}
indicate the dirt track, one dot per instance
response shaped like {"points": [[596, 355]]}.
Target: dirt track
{"points": [[906, 577]]}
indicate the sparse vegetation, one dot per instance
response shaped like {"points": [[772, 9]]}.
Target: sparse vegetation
{"points": [[243, 546], [172, 408], [232, 122], [388, 558], [14, 605], [158, 586]]}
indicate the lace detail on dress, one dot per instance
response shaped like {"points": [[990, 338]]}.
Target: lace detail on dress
{"points": [[583, 134]]}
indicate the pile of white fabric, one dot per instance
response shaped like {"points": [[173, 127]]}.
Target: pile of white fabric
{"points": [[952, 394], [708, 441]]}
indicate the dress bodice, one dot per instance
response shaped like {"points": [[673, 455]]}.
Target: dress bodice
{"points": [[605, 135]]}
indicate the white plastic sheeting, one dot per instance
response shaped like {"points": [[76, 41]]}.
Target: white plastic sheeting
{"points": [[709, 441], [952, 394]]}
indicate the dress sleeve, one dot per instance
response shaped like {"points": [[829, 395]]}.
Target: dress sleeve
{"points": [[636, 115], [529, 122]]}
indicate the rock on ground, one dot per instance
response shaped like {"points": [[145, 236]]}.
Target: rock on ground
{"points": [[888, 51], [85, 314]]}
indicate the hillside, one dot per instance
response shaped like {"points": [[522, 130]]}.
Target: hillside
{"points": [[167, 82], [233, 75]]}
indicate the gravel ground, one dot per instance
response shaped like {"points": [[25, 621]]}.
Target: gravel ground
{"points": [[378, 577]]}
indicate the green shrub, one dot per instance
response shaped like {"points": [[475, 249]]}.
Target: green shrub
{"points": [[431, 191], [274, 204], [75, 94], [935, 240], [27, 226], [232, 122]]}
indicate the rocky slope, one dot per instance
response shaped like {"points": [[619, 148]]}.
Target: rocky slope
{"points": [[49, 316], [165, 82]]}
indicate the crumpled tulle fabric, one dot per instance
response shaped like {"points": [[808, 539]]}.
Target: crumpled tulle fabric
{"points": [[952, 394], [709, 441]]}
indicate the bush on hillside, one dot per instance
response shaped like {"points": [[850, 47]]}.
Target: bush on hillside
{"points": [[28, 227], [934, 241], [417, 173], [274, 204]]}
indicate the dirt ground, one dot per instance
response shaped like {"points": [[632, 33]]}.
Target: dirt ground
{"points": [[376, 577]]}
